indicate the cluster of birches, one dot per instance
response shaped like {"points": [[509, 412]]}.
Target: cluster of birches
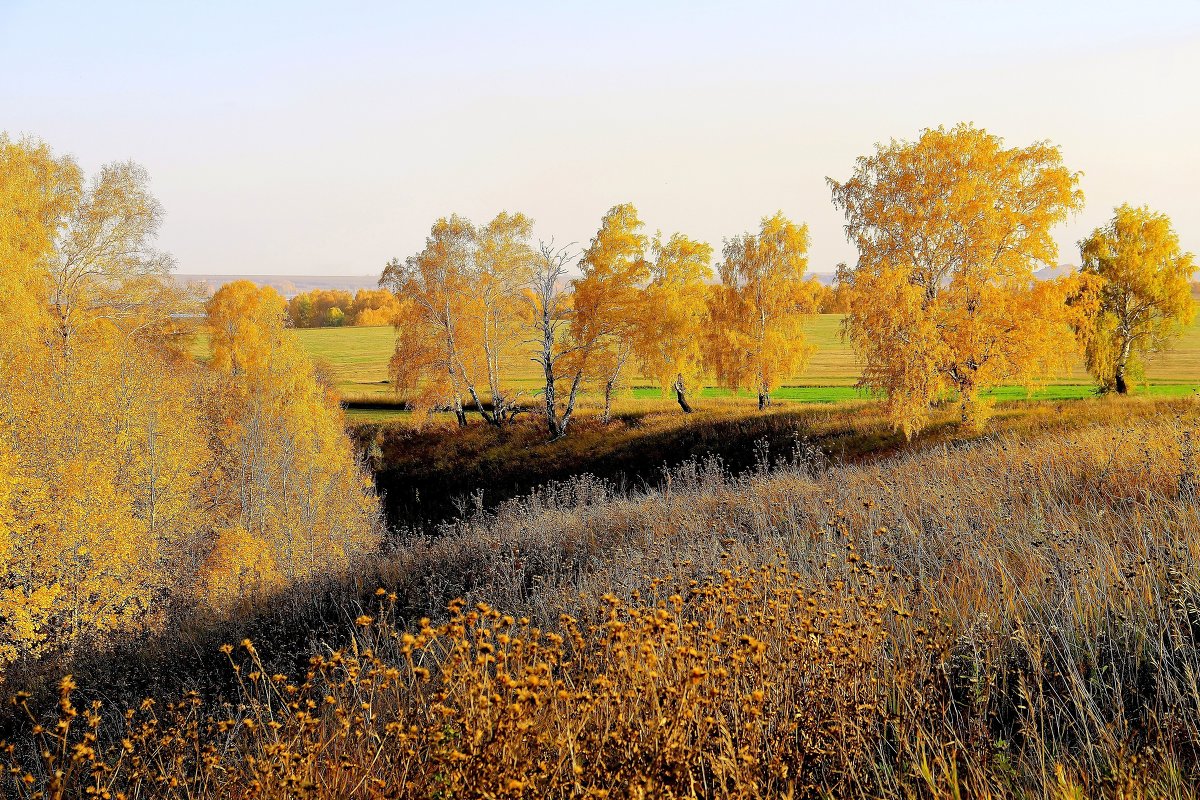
{"points": [[942, 303], [135, 478]]}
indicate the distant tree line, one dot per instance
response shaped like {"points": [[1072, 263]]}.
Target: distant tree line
{"points": [[335, 308]]}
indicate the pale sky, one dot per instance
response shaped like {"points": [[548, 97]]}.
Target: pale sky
{"points": [[325, 138]]}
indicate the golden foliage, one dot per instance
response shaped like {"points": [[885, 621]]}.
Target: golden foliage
{"points": [[120, 457], [245, 325], [668, 335], [320, 308], [290, 481], [755, 333], [460, 302], [104, 268], [1140, 293], [331, 308], [37, 190], [608, 299], [375, 307], [949, 230], [240, 567], [109, 492]]}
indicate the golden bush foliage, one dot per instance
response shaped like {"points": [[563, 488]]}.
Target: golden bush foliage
{"points": [[111, 501], [240, 567], [120, 457]]}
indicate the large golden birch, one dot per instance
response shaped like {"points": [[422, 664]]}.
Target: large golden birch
{"points": [[943, 300]]}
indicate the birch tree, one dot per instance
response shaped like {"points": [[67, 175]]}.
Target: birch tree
{"points": [[1143, 293], [943, 300]]}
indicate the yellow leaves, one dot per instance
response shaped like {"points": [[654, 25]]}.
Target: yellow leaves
{"points": [[668, 332], [10, 485], [757, 314], [119, 455], [105, 494], [949, 230], [245, 325], [460, 312], [375, 307], [607, 299], [1134, 294], [28, 616], [335, 307], [37, 190], [239, 565], [299, 504]]}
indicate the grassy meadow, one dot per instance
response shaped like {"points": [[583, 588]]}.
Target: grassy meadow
{"points": [[357, 359]]}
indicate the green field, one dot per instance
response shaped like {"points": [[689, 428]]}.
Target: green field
{"points": [[358, 357]]}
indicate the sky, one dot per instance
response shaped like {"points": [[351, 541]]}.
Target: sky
{"points": [[325, 138]]}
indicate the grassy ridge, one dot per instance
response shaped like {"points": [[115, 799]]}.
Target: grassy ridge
{"points": [[1016, 615]]}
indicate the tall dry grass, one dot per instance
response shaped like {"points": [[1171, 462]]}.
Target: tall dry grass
{"points": [[1014, 616]]}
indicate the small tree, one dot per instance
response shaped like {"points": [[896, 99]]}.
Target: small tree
{"points": [[105, 247], [433, 289], [504, 263], [608, 297], [292, 482], [561, 357], [756, 315], [669, 331], [1142, 293], [459, 299]]}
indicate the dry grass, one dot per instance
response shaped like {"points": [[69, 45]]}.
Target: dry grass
{"points": [[1012, 616]]}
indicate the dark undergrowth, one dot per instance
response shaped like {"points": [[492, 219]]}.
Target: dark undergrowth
{"points": [[442, 472]]}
